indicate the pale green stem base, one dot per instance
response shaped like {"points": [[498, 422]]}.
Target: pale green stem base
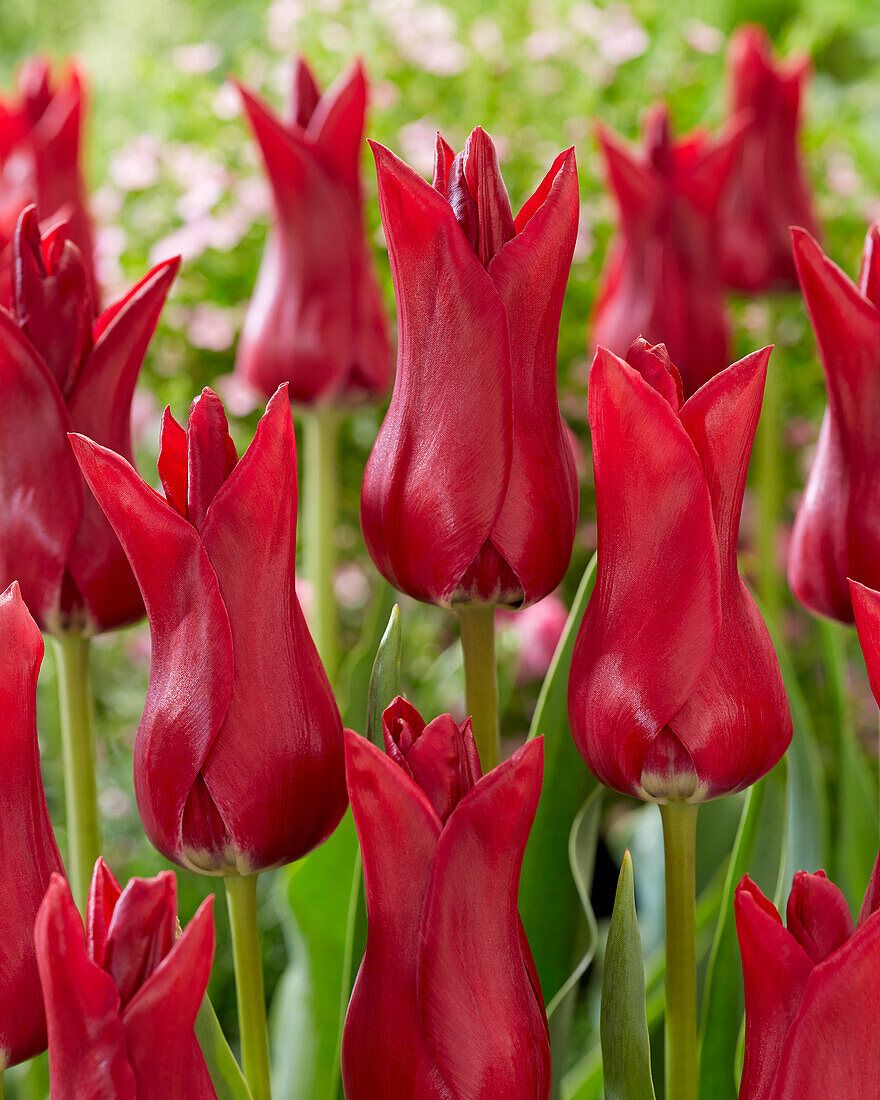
{"points": [[78, 760], [320, 511], [241, 899], [679, 842], [477, 623], [769, 486]]}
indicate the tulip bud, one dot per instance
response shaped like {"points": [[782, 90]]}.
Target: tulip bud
{"points": [[675, 690], [28, 853], [470, 493], [812, 1011], [316, 319], [238, 760], [61, 369], [660, 277], [447, 1001], [768, 189], [123, 994], [836, 531]]}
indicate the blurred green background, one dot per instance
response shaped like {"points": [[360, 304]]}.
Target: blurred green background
{"points": [[172, 168]]}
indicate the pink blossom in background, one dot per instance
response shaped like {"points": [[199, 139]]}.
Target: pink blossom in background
{"points": [[537, 630]]}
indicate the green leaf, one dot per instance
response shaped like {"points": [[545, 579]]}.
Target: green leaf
{"points": [[548, 897], [227, 1078], [353, 681], [385, 678], [626, 1051]]}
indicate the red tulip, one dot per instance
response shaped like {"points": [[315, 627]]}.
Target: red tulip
{"points": [[675, 690], [238, 761], [28, 853], [62, 368], [768, 189], [661, 276], [447, 1003], [812, 1011], [837, 529], [316, 319], [122, 996], [40, 132], [470, 494]]}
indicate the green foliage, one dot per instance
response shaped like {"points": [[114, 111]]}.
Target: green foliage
{"points": [[226, 1076]]}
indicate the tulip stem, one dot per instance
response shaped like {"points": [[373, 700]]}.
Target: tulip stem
{"points": [[247, 961], [768, 455], [78, 761], [321, 501], [679, 842], [477, 624]]}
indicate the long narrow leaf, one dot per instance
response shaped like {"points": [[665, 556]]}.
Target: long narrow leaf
{"points": [[227, 1078]]}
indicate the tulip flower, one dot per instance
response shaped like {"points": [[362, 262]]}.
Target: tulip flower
{"points": [[837, 528], [470, 493], [238, 760], [812, 1011], [316, 319], [28, 853], [447, 1001], [661, 277], [40, 133], [675, 691], [62, 367], [768, 190], [122, 994]]}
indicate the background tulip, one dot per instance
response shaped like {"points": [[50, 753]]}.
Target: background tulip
{"points": [[63, 368], [238, 761], [447, 1002], [675, 689], [768, 189], [316, 319], [837, 528], [812, 1013], [122, 999], [661, 279], [470, 493], [28, 853]]}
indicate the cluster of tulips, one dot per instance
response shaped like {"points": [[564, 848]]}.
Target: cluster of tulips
{"points": [[469, 501]]}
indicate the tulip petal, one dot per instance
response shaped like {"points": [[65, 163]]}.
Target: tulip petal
{"points": [[534, 532], [398, 830], [41, 490], [187, 698], [281, 706], [27, 841], [87, 1047], [444, 155], [775, 972], [653, 620], [834, 535], [141, 932], [444, 763], [173, 461], [736, 723], [104, 893], [817, 915], [635, 185], [211, 454], [483, 175], [436, 478], [871, 903], [100, 408], [304, 93], [484, 1023], [337, 127], [833, 1044], [869, 274], [158, 1022]]}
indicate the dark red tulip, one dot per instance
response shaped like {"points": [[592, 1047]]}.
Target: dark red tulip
{"points": [[40, 134], [837, 528], [768, 190], [64, 368], [812, 1011], [122, 994], [470, 493], [661, 277], [28, 853], [675, 690], [238, 761], [316, 319], [447, 1003]]}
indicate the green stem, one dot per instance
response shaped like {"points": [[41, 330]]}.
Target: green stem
{"points": [[320, 510], [679, 842], [769, 485], [477, 623], [78, 759], [247, 960]]}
